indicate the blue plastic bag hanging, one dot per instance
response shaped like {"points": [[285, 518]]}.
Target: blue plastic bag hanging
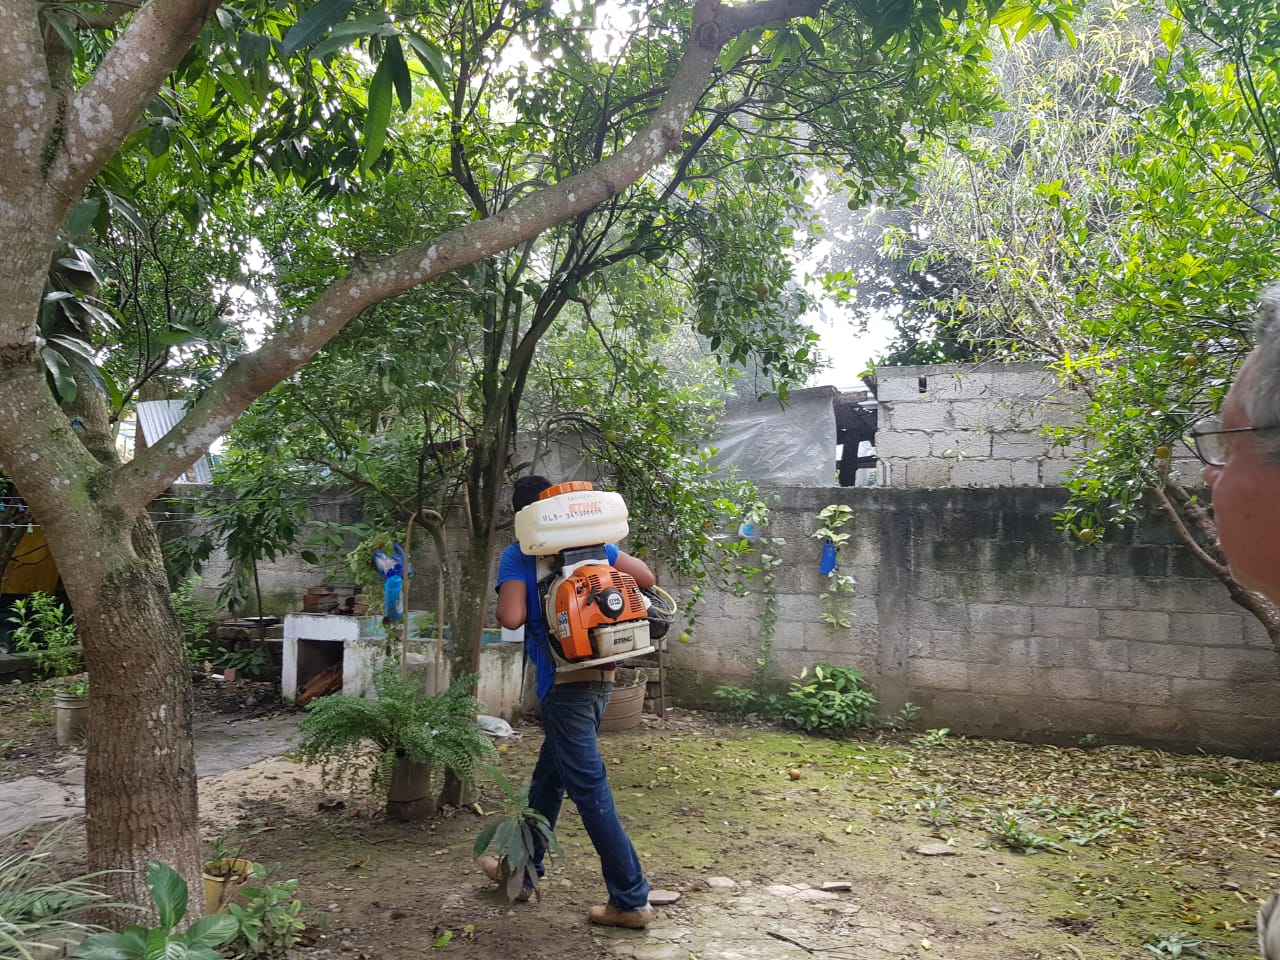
{"points": [[392, 568], [827, 565]]}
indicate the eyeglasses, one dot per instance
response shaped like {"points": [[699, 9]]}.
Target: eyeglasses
{"points": [[1206, 439]]}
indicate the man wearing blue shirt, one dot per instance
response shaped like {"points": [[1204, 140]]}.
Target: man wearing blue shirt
{"points": [[572, 704]]}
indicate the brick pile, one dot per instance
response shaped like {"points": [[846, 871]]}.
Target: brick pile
{"points": [[343, 599]]}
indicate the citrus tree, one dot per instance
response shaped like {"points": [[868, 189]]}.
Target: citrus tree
{"points": [[1119, 224]]}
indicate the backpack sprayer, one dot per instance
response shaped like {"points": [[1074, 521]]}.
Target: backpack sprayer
{"points": [[594, 612]]}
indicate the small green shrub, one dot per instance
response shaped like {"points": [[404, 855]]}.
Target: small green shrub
{"points": [[829, 700], [195, 619], [253, 662], [1008, 830], [933, 738], [932, 805], [1173, 945], [169, 893], [270, 921], [43, 626], [904, 718], [737, 700]]}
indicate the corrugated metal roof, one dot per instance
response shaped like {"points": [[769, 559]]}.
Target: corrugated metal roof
{"points": [[155, 419]]}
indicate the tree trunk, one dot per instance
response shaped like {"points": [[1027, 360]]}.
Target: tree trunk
{"points": [[140, 781]]}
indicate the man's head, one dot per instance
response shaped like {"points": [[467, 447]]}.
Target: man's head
{"points": [[1246, 485], [526, 490]]}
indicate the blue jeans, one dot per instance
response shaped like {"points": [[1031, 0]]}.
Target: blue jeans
{"points": [[570, 763]]}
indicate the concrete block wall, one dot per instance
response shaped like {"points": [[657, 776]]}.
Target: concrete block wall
{"points": [[979, 425], [970, 425], [971, 605], [285, 580]]}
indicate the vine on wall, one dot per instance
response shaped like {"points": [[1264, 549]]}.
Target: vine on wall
{"points": [[833, 519]]}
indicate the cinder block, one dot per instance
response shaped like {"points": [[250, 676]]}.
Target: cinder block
{"points": [[982, 473], [1207, 629], [1072, 683], [1111, 656], [1150, 626], [938, 674], [1242, 699], [1030, 589], [937, 615], [959, 444], [1144, 688], [893, 385], [987, 648], [1001, 678], [1061, 410], [903, 445], [1079, 623], [1001, 619], [1179, 595], [925, 413], [1024, 473], [1241, 666], [927, 474], [750, 607], [1054, 471], [980, 415], [1018, 444], [1105, 593], [940, 645], [1164, 659], [961, 383]]}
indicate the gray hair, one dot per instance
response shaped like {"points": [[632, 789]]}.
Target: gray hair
{"points": [[1261, 399]]}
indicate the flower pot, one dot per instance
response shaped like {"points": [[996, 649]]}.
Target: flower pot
{"points": [[71, 713], [626, 704], [222, 881], [409, 794]]}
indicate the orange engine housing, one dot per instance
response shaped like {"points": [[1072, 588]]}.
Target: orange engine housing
{"points": [[593, 595]]}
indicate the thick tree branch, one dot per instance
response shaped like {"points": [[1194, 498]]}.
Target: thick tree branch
{"points": [[285, 353], [1268, 613], [25, 109], [104, 111]]}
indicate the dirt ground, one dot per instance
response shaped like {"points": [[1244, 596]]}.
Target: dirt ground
{"points": [[950, 848]]}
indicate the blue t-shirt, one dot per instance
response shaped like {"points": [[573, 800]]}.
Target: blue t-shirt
{"points": [[515, 564]]}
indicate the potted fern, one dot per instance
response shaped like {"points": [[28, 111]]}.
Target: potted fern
{"points": [[395, 742]]}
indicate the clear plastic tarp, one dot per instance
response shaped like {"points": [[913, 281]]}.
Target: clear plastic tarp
{"points": [[793, 446]]}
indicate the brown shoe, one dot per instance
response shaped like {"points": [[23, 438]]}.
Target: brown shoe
{"points": [[494, 870], [610, 916]]}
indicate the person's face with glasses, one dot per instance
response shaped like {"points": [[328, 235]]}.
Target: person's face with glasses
{"points": [[1246, 491]]}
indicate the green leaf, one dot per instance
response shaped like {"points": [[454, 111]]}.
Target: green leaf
{"points": [[379, 115], [368, 25], [399, 72], [739, 48], [110, 946], [82, 216], [811, 37], [59, 369], [213, 930], [482, 841], [315, 23], [169, 891], [432, 60], [64, 32]]}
